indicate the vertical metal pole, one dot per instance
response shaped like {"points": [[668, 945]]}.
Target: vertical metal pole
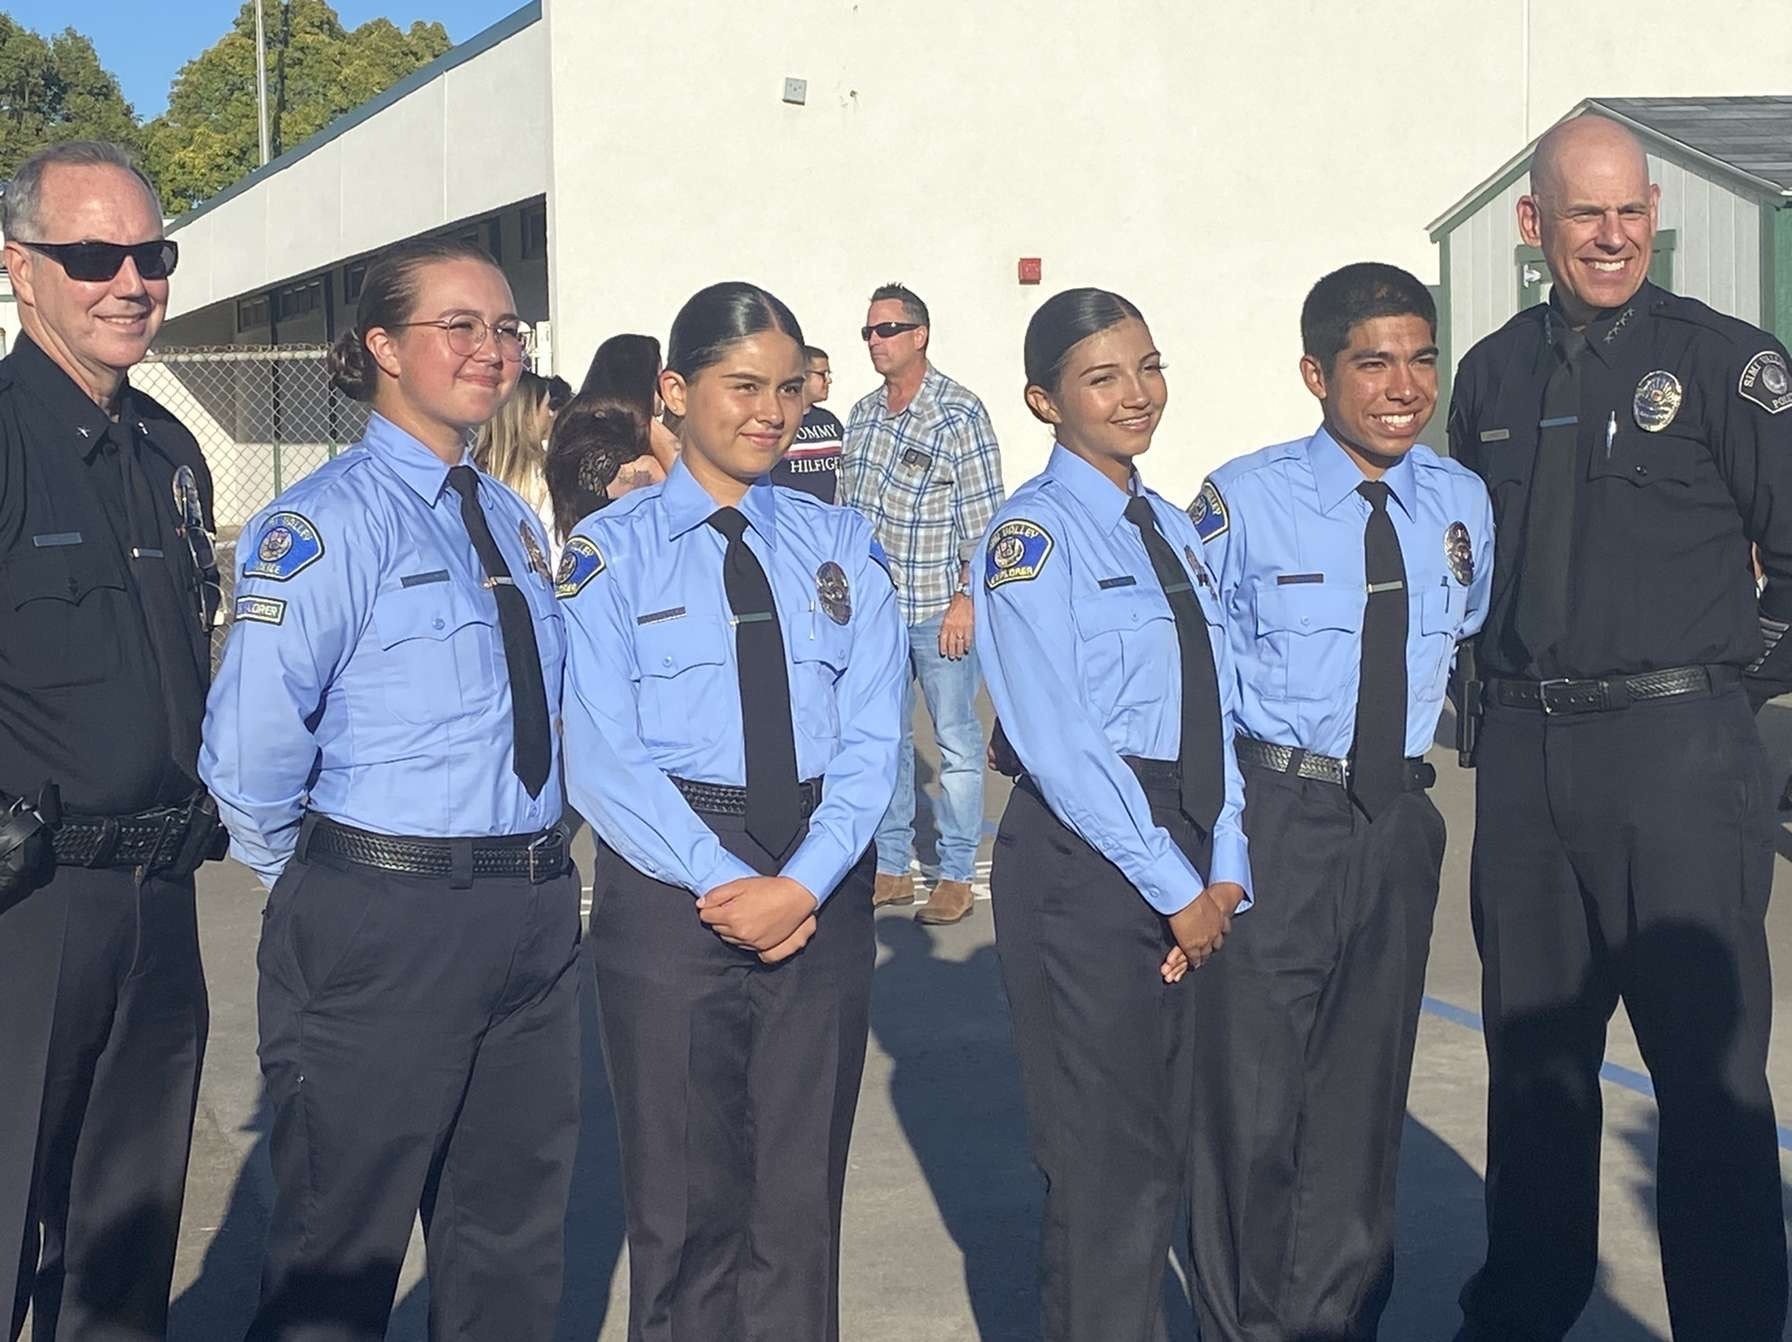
{"points": [[261, 79]]}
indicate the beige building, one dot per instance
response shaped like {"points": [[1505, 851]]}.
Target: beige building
{"points": [[1209, 161]]}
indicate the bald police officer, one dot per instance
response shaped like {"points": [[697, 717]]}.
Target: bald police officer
{"points": [[108, 585], [1635, 443]]}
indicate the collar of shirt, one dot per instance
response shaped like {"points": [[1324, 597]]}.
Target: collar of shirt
{"points": [[921, 405], [1336, 474], [688, 505], [1089, 487], [409, 459], [70, 407], [1609, 328]]}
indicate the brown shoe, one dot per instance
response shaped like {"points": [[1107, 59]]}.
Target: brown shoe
{"points": [[950, 902], [893, 889]]}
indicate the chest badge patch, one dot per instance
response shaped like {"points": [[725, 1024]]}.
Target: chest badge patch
{"points": [[1017, 552], [1208, 513], [833, 591], [538, 562], [580, 562], [1765, 382], [1657, 400], [289, 544], [1459, 553]]}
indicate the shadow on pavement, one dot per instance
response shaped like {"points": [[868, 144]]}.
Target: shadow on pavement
{"points": [[220, 1302]]}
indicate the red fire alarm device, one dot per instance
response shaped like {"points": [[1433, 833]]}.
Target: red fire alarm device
{"points": [[1029, 270]]}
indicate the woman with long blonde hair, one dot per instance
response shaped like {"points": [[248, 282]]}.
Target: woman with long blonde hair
{"points": [[512, 445]]}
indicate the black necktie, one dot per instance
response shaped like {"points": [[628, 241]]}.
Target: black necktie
{"points": [[522, 658], [774, 811], [1201, 757], [1378, 754], [1541, 615]]}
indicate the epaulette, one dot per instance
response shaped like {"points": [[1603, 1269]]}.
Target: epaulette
{"points": [[1678, 307]]}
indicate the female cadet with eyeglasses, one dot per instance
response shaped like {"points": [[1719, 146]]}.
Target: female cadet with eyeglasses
{"points": [[733, 691], [380, 744], [1121, 857]]}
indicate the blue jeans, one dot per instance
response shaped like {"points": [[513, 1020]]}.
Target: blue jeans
{"points": [[951, 692]]}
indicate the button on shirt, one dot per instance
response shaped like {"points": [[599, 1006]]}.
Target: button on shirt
{"points": [[82, 699], [1077, 643], [1284, 528], [1684, 458], [928, 479], [653, 688], [364, 676]]}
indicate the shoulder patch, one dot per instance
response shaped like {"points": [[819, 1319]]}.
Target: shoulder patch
{"points": [[1017, 552], [261, 609], [580, 562], [1765, 382], [1208, 513], [289, 544]]}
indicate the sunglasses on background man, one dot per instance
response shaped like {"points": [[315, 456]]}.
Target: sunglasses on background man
{"points": [[100, 262]]}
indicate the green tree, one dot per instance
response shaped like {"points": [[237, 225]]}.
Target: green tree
{"points": [[317, 70], [54, 89]]}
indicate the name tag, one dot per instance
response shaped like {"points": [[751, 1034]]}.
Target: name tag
{"points": [[55, 539], [424, 579], [1127, 581], [1495, 435], [660, 616], [1294, 579]]}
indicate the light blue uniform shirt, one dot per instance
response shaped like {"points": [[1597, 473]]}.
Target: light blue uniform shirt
{"points": [[653, 692], [364, 677], [1078, 645], [1284, 527]]}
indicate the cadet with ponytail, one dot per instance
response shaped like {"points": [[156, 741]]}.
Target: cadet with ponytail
{"points": [[380, 742]]}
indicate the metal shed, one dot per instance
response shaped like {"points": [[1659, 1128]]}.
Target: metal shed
{"points": [[1725, 235]]}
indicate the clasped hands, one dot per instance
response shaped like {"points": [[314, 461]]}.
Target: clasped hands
{"points": [[1200, 928], [773, 916]]}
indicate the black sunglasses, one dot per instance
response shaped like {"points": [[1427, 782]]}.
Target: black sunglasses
{"points": [[885, 330], [98, 262]]}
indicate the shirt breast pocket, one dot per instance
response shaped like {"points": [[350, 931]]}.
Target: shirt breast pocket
{"points": [[818, 660], [1313, 632], [61, 604], [1648, 460], [1441, 608], [427, 634], [682, 666], [1129, 647]]}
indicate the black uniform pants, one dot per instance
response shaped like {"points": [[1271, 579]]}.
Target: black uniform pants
{"points": [[1106, 1066], [1308, 1017], [102, 1029], [420, 1049], [736, 1085], [1627, 855]]}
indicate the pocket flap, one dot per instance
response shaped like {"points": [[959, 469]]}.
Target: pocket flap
{"points": [[63, 572], [1304, 608], [671, 646], [433, 610], [1118, 610]]}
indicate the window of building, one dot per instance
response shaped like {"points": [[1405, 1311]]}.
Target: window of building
{"points": [[354, 275], [298, 299], [251, 313], [535, 232]]}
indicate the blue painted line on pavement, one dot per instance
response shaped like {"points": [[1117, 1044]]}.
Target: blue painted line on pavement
{"points": [[1626, 1077]]}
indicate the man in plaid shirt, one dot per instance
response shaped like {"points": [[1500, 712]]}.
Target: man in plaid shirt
{"points": [[921, 463]]}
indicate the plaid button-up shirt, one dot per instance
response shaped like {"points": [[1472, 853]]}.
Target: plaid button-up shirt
{"points": [[929, 480]]}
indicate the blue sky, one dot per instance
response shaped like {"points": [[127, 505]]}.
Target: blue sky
{"points": [[145, 44]]}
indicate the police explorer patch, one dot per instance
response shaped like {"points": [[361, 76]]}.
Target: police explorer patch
{"points": [[260, 609], [580, 562], [833, 591], [1017, 552], [1459, 553], [1657, 400], [1208, 513], [1765, 382], [289, 545], [538, 562]]}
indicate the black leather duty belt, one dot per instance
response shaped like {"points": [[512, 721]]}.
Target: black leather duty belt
{"points": [[152, 840], [1606, 695], [1322, 768], [530, 857], [724, 799]]}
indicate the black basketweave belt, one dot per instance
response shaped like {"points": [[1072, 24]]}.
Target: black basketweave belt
{"points": [[1153, 775], [1322, 768], [535, 857], [1606, 695], [724, 799], [153, 840]]}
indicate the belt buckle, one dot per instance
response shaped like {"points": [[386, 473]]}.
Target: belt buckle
{"points": [[534, 852], [1543, 702]]}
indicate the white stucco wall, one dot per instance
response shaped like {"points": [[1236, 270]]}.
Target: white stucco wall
{"points": [[1210, 161]]}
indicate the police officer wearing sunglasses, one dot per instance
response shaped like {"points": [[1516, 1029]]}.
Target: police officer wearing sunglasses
{"points": [[107, 590]]}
